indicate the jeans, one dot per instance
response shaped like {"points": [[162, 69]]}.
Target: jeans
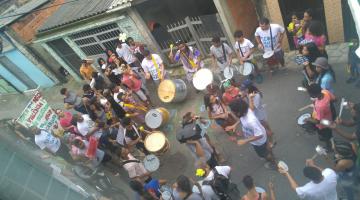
{"points": [[346, 182]]}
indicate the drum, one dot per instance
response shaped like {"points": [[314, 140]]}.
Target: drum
{"points": [[269, 56], [156, 142], [228, 72], [166, 192], [172, 90], [151, 163], [307, 126], [202, 78], [246, 69], [155, 118]]}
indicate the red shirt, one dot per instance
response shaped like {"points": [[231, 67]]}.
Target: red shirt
{"points": [[131, 82], [230, 95], [66, 120]]}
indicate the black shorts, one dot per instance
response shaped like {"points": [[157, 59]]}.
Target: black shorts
{"points": [[325, 134], [262, 150]]}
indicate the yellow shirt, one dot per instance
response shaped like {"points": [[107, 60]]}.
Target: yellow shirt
{"points": [[86, 72], [291, 28]]}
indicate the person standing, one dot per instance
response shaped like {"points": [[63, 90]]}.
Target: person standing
{"points": [[182, 189], [153, 67], [269, 38], [221, 55], [254, 192], [190, 58], [326, 78], [321, 187], [253, 131], [86, 70], [295, 29], [73, 100]]}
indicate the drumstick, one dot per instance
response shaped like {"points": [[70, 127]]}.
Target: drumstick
{"points": [[341, 107], [314, 156], [305, 107]]}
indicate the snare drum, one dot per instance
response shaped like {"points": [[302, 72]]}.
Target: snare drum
{"points": [[172, 90], [246, 69], [202, 78], [156, 142], [155, 118], [151, 163], [228, 72], [270, 58], [307, 126]]}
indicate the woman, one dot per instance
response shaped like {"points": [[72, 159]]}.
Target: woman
{"points": [[113, 74], [256, 104], [311, 53], [316, 34], [108, 53], [295, 29], [253, 192], [231, 92], [308, 17], [217, 111], [102, 64], [326, 77]]}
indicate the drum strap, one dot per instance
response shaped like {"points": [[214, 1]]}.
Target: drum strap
{"points": [[271, 40], [156, 67], [138, 107], [135, 129], [191, 62], [129, 161], [242, 54], [223, 48]]}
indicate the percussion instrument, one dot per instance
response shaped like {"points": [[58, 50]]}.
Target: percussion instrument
{"points": [[151, 163], [166, 192], [319, 151], [155, 118], [172, 90], [202, 78], [247, 68], [228, 72], [307, 126], [269, 56], [156, 143], [282, 165]]}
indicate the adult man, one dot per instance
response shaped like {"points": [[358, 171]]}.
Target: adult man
{"points": [[322, 186], [190, 58], [72, 100], [253, 131], [85, 126], [153, 67], [269, 38], [221, 55], [182, 189], [322, 111], [86, 70], [46, 140]]}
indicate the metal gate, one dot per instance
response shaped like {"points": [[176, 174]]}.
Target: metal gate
{"points": [[196, 31]]}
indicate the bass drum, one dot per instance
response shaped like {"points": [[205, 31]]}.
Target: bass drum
{"points": [[172, 90], [155, 118]]}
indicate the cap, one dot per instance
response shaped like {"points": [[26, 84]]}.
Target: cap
{"points": [[321, 62], [245, 84]]}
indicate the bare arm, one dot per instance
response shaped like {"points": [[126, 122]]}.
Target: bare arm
{"points": [[345, 135], [292, 181]]}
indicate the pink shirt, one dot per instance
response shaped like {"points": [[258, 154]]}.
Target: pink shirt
{"points": [[322, 108], [131, 82], [66, 120], [318, 40]]}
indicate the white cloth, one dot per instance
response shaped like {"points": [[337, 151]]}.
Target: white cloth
{"points": [[245, 46], [125, 53], [276, 29], [149, 67], [251, 126], [218, 53], [259, 110], [85, 126], [325, 190], [207, 190], [134, 169], [48, 141]]}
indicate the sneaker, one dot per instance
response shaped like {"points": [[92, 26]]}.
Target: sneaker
{"points": [[351, 80], [271, 166]]}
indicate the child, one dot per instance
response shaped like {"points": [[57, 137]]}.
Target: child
{"points": [[295, 29]]}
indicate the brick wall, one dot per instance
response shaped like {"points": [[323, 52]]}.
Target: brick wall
{"points": [[244, 16], [334, 20], [26, 27]]}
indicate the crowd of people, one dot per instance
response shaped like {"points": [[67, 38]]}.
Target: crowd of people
{"points": [[108, 127]]}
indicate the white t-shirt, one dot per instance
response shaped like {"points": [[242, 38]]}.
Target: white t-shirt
{"points": [[325, 190], [208, 192], [245, 46], [125, 53], [259, 110], [276, 29], [47, 140], [218, 53], [251, 126], [85, 126], [149, 66]]}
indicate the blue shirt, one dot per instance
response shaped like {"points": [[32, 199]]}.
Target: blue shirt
{"points": [[153, 185], [326, 82]]}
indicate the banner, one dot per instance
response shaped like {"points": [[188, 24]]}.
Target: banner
{"points": [[38, 113]]}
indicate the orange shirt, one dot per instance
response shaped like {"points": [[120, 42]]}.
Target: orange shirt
{"points": [[86, 72]]}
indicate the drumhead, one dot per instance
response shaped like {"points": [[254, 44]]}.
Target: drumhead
{"points": [[247, 68], [153, 118], [151, 163], [155, 141], [166, 91], [268, 54], [228, 72], [202, 78], [301, 119]]}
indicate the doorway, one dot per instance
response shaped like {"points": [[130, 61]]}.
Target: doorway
{"points": [[288, 7], [348, 21]]}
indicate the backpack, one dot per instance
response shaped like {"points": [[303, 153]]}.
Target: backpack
{"points": [[191, 131], [222, 187]]}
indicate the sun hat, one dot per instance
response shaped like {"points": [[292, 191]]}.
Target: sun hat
{"points": [[321, 62]]}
